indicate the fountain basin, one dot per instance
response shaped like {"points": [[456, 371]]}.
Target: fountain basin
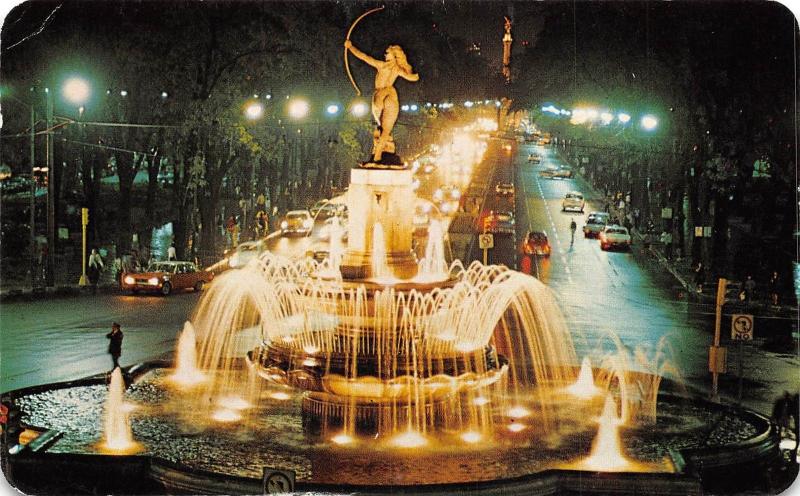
{"points": [[694, 445]]}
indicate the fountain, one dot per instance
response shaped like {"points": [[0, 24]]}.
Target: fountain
{"points": [[373, 370]]}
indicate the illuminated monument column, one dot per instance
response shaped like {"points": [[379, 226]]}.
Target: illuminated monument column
{"points": [[385, 197], [505, 103]]}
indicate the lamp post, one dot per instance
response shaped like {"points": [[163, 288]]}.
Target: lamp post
{"points": [[33, 198], [51, 192]]}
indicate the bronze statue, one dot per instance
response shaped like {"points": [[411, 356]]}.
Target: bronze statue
{"points": [[385, 104]]}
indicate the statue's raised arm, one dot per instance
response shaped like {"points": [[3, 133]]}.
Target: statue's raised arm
{"points": [[385, 104]]}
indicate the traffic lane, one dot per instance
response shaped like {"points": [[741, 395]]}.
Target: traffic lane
{"points": [[64, 339], [603, 293]]}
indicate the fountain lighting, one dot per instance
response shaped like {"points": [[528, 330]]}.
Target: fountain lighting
{"points": [[342, 439], [311, 349], [584, 387], [516, 427], [186, 373], [117, 435], [226, 415], [409, 439], [233, 402], [480, 401], [287, 339], [279, 395], [310, 362], [606, 454], [518, 412], [466, 346], [471, 437]]}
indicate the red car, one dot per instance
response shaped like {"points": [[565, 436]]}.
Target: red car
{"points": [[166, 277], [536, 243]]}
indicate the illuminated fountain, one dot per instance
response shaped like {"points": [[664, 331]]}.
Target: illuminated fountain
{"points": [[433, 373], [117, 435]]}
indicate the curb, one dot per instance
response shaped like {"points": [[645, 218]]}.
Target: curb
{"points": [[29, 294]]}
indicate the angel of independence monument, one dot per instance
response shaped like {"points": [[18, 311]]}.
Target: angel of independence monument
{"points": [[380, 188]]}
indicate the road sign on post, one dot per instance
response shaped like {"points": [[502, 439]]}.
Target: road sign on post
{"points": [[486, 242], [742, 327]]}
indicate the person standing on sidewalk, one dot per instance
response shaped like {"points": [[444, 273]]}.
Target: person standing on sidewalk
{"points": [[666, 239], [95, 266], [749, 287], [172, 253], [115, 344]]}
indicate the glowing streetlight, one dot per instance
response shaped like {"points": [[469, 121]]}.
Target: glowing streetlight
{"points": [[359, 109], [254, 110], [76, 90], [649, 122], [298, 108], [623, 117], [332, 109], [606, 117]]}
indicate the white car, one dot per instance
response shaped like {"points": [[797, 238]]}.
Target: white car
{"points": [[614, 236], [573, 201], [297, 222], [595, 223]]}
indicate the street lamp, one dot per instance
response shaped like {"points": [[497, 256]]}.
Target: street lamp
{"points": [[649, 122], [359, 109], [254, 110], [76, 91], [623, 117], [332, 109], [298, 108]]}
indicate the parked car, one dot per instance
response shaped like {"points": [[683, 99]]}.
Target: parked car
{"points": [[499, 223], [244, 253], [549, 171], [536, 243], [534, 158], [504, 189], [614, 236], [573, 201], [166, 277], [595, 223], [297, 222]]}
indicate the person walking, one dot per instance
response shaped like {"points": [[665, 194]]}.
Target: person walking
{"points": [[115, 344], [95, 266], [749, 287], [699, 276], [774, 287], [572, 227]]}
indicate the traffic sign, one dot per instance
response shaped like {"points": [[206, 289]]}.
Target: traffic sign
{"points": [[742, 327], [276, 481], [486, 241]]}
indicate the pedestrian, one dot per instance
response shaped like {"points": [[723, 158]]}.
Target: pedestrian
{"points": [[172, 254], [774, 285], [699, 276], [95, 266], [749, 287], [572, 227], [115, 344], [666, 239]]}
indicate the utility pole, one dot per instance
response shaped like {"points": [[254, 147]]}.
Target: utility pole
{"points": [[51, 193], [33, 198]]}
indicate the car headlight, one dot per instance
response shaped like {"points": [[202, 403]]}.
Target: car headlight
{"points": [[308, 223], [284, 224], [129, 280], [153, 281]]}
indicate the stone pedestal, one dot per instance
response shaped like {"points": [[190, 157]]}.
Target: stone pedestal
{"points": [[385, 197]]}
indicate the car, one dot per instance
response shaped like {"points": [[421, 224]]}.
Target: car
{"points": [[563, 172], [166, 277], [499, 223], [244, 253], [534, 158], [504, 189], [297, 222], [573, 201], [595, 222], [536, 243], [614, 236], [322, 210]]}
